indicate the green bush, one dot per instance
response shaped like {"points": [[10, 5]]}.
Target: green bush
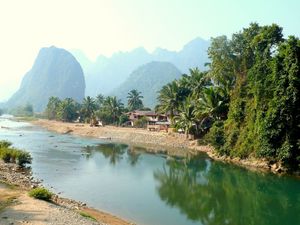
{"points": [[5, 155], [8, 154], [40, 193], [23, 158], [5, 144]]}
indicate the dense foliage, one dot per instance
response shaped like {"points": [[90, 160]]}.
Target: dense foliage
{"points": [[250, 94], [109, 109]]}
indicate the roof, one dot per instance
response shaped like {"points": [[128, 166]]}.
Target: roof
{"points": [[144, 113]]}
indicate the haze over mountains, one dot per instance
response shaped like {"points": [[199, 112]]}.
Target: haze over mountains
{"points": [[55, 73], [149, 79], [108, 73]]}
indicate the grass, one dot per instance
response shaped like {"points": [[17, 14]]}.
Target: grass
{"points": [[86, 215], [40, 193], [9, 154]]}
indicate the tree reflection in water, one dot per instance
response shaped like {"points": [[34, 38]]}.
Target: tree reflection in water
{"points": [[115, 152], [215, 193]]}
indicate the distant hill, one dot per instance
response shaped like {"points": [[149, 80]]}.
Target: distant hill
{"points": [[107, 73], [55, 72], [148, 79]]}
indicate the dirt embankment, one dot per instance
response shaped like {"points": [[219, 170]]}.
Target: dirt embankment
{"points": [[16, 207]]}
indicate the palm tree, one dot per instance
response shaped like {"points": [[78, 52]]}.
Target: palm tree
{"points": [[212, 103], [89, 106], [169, 98], [186, 119], [135, 100], [52, 107], [67, 110], [99, 100], [114, 106]]}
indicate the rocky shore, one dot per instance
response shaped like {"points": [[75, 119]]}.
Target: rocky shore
{"points": [[62, 210]]}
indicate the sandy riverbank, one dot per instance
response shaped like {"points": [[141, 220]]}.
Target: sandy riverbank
{"points": [[162, 142], [16, 207]]}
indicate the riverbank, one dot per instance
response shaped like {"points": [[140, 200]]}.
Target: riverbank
{"points": [[156, 142], [16, 207], [171, 143]]}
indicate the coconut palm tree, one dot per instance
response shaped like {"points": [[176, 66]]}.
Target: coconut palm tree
{"points": [[67, 110], [99, 100], [52, 107], [88, 107], [212, 103], [135, 100], [114, 106], [186, 118], [170, 97]]}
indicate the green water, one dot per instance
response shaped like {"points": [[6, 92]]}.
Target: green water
{"points": [[155, 189]]}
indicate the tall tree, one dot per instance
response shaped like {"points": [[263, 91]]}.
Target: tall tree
{"points": [[114, 106], [67, 110], [171, 97], [186, 118], [99, 100], [135, 100], [52, 108], [88, 107]]}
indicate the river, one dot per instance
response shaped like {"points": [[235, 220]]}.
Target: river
{"points": [[154, 189]]}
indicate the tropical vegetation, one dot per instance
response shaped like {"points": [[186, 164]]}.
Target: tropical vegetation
{"points": [[135, 100], [107, 109], [247, 103]]}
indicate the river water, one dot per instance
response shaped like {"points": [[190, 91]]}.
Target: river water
{"points": [[153, 189]]}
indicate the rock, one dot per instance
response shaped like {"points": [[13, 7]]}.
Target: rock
{"points": [[55, 73]]}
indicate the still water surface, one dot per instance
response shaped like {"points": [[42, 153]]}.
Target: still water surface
{"points": [[151, 189]]}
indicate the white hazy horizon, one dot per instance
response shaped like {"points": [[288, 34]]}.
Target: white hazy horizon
{"points": [[101, 27]]}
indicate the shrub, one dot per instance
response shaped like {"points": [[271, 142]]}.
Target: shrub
{"points": [[216, 135], [23, 158], [141, 123], [40, 193], [5, 144], [8, 154], [5, 155]]}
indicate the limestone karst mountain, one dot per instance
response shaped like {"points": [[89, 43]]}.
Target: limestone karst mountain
{"points": [[148, 79], [55, 72], [107, 73]]}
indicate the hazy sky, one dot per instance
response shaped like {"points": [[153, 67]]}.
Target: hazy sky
{"points": [[103, 27]]}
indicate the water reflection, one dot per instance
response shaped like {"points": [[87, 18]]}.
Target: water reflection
{"points": [[214, 194], [115, 152]]}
